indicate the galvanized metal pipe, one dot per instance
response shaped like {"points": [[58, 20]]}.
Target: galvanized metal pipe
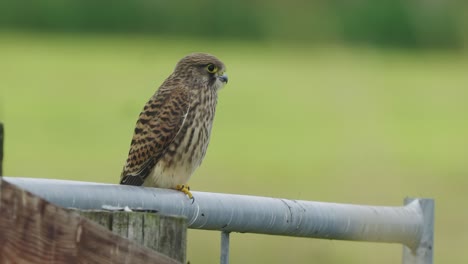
{"points": [[241, 213], [423, 254], [224, 247]]}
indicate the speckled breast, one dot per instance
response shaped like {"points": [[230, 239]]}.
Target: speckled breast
{"points": [[189, 147]]}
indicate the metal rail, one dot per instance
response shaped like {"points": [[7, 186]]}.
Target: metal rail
{"points": [[410, 225]]}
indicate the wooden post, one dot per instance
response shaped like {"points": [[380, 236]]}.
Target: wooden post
{"points": [[36, 231], [164, 234], [1, 149]]}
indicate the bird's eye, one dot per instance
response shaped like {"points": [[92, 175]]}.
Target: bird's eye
{"points": [[211, 68]]}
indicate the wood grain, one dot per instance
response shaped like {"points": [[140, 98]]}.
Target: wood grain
{"points": [[161, 233], [1, 148], [35, 231]]}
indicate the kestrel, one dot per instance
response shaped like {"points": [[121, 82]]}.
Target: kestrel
{"points": [[173, 130]]}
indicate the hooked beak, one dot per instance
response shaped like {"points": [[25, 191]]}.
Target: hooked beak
{"points": [[223, 78]]}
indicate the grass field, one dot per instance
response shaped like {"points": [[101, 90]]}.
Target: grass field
{"points": [[352, 125]]}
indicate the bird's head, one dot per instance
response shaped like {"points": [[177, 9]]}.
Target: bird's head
{"points": [[202, 68]]}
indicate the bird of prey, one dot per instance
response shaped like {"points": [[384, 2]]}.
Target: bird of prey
{"points": [[173, 130]]}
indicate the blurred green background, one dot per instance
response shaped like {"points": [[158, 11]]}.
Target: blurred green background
{"points": [[343, 101]]}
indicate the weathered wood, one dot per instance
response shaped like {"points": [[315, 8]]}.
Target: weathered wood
{"points": [[164, 234], [35, 231], [1, 149]]}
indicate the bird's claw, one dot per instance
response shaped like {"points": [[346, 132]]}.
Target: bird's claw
{"points": [[186, 189]]}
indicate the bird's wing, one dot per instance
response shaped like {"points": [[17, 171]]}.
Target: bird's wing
{"points": [[158, 124]]}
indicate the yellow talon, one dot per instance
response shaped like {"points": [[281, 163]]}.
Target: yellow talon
{"points": [[185, 189]]}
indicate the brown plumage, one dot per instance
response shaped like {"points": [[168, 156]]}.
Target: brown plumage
{"points": [[173, 131]]}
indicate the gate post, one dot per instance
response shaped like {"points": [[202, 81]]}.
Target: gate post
{"points": [[423, 254]]}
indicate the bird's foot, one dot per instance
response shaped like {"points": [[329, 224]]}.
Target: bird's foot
{"points": [[185, 189]]}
